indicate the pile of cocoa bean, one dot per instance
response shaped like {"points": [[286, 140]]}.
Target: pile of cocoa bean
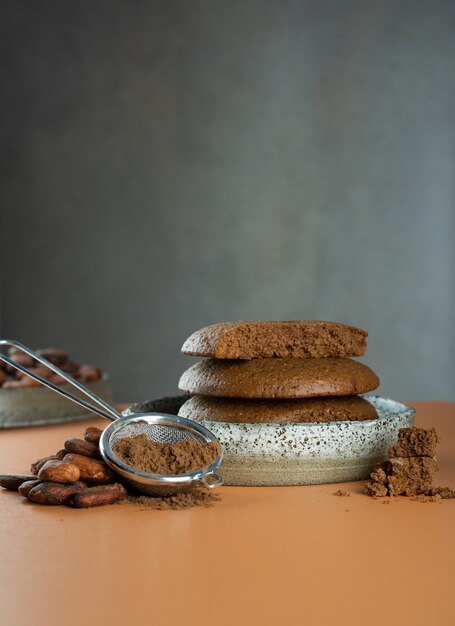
{"points": [[74, 476], [11, 378]]}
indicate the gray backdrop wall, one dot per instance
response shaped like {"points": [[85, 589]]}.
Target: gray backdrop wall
{"points": [[170, 164]]}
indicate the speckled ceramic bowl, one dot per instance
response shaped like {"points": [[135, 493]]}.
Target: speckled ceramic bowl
{"points": [[37, 406], [305, 454]]}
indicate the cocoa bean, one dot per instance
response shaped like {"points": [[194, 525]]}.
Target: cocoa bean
{"points": [[37, 465], [92, 471], [21, 383], [92, 434], [97, 497], [54, 493], [23, 359], [57, 356], [8, 378], [71, 367], [59, 472], [88, 373], [27, 486], [41, 370], [12, 482], [57, 379], [79, 446], [18, 357], [13, 350]]}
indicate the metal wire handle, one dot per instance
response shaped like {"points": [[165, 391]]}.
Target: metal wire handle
{"points": [[106, 411]]}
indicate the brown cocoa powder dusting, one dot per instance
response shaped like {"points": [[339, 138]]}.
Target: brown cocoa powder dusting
{"points": [[182, 457], [342, 493], [186, 500]]}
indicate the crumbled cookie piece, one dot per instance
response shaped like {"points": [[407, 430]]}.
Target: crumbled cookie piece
{"points": [[445, 493], [376, 489], [408, 476], [414, 442], [410, 468]]}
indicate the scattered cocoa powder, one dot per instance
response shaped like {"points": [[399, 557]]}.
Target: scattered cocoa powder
{"points": [[423, 498], [436, 494], [446, 493], [182, 457], [185, 500], [342, 493]]}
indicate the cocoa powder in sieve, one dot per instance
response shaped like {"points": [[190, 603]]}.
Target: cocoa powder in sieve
{"points": [[182, 457]]}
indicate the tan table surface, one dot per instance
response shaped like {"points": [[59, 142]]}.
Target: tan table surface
{"points": [[261, 556]]}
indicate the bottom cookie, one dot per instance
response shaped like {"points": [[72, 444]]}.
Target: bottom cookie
{"points": [[236, 410]]}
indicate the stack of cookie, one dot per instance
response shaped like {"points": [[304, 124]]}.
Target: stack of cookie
{"points": [[277, 372]]}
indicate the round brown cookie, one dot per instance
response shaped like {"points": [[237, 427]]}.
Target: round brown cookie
{"points": [[238, 410], [278, 378], [255, 339]]}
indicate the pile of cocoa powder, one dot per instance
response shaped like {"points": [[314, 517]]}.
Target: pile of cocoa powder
{"points": [[182, 457], [77, 476], [185, 500]]}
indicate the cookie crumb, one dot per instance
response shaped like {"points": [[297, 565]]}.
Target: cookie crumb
{"points": [[423, 498], [342, 493], [413, 442], [445, 493]]}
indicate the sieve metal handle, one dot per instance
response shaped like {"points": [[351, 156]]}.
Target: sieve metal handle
{"points": [[210, 480], [105, 411]]}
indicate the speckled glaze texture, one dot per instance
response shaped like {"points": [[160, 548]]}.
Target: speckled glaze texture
{"points": [[306, 454]]}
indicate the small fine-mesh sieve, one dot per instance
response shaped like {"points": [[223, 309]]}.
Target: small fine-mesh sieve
{"points": [[158, 427]]}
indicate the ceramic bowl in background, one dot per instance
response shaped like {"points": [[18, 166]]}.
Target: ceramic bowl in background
{"points": [[36, 406]]}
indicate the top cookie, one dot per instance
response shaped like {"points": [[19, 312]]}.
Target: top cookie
{"points": [[256, 340]]}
